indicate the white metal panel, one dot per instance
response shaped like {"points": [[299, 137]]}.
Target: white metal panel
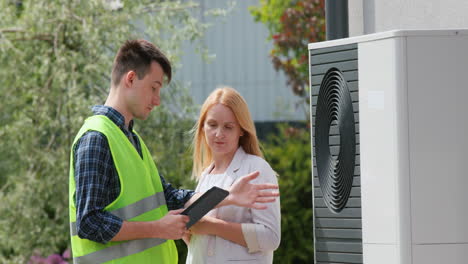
{"points": [[378, 141], [437, 254], [380, 254], [386, 35], [403, 175], [438, 108]]}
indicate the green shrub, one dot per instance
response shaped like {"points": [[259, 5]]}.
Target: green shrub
{"points": [[288, 153], [56, 58]]}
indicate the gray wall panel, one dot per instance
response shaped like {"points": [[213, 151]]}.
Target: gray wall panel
{"points": [[338, 234], [334, 57], [355, 192], [317, 79], [338, 223], [338, 257], [242, 61], [339, 247], [332, 50]]}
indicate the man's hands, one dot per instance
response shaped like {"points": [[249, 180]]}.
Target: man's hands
{"points": [[246, 194], [204, 226], [172, 226]]}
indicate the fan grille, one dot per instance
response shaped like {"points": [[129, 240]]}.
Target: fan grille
{"points": [[335, 170]]}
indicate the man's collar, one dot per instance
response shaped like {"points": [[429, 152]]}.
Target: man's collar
{"points": [[114, 115]]}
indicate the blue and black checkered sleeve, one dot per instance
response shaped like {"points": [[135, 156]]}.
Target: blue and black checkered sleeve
{"points": [[175, 198], [97, 186]]}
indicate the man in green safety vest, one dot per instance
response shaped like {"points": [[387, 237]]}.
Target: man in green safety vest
{"points": [[121, 209]]}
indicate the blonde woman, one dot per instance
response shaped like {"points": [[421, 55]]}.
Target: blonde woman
{"points": [[225, 148]]}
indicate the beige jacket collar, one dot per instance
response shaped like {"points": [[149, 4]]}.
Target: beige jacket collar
{"points": [[233, 167]]}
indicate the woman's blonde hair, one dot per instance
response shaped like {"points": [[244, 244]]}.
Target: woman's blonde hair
{"points": [[227, 96]]}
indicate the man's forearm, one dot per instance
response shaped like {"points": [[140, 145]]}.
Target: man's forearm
{"points": [[135, 230]]}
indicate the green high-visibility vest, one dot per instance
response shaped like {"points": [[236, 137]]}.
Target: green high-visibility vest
{"points": [[141, 198]]}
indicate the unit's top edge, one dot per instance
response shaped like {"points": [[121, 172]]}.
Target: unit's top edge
{"points": [[389, 34]]}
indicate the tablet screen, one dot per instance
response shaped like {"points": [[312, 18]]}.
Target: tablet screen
{"points": [[204, 204]]}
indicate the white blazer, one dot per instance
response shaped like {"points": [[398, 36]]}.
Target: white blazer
{"points": [[261, 228]]}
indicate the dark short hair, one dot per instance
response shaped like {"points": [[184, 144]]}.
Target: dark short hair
{"points": [[137, 55]]}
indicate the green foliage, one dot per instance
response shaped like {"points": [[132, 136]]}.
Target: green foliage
{"points": [[289, 155], [269, 12], [292, 25], [56, 57]]}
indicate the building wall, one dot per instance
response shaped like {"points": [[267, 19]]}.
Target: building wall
{"points": [[371, 16], [242, 62]]}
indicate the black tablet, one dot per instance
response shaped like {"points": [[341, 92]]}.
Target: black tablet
{"points": [[204, 204]]}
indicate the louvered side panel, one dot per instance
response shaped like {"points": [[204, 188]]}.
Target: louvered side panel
{"points": [[338, 235]]}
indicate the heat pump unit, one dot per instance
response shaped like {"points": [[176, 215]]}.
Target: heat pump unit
{"points": [[389, 131]]}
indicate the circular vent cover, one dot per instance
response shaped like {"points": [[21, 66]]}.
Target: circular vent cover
{"points": [[335, 117]]}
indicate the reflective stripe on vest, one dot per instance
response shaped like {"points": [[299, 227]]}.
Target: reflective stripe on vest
{"points": [[118, 251], [133, 210]]}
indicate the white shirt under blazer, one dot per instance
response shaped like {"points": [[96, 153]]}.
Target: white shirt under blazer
{"points": [[261, 228]]}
